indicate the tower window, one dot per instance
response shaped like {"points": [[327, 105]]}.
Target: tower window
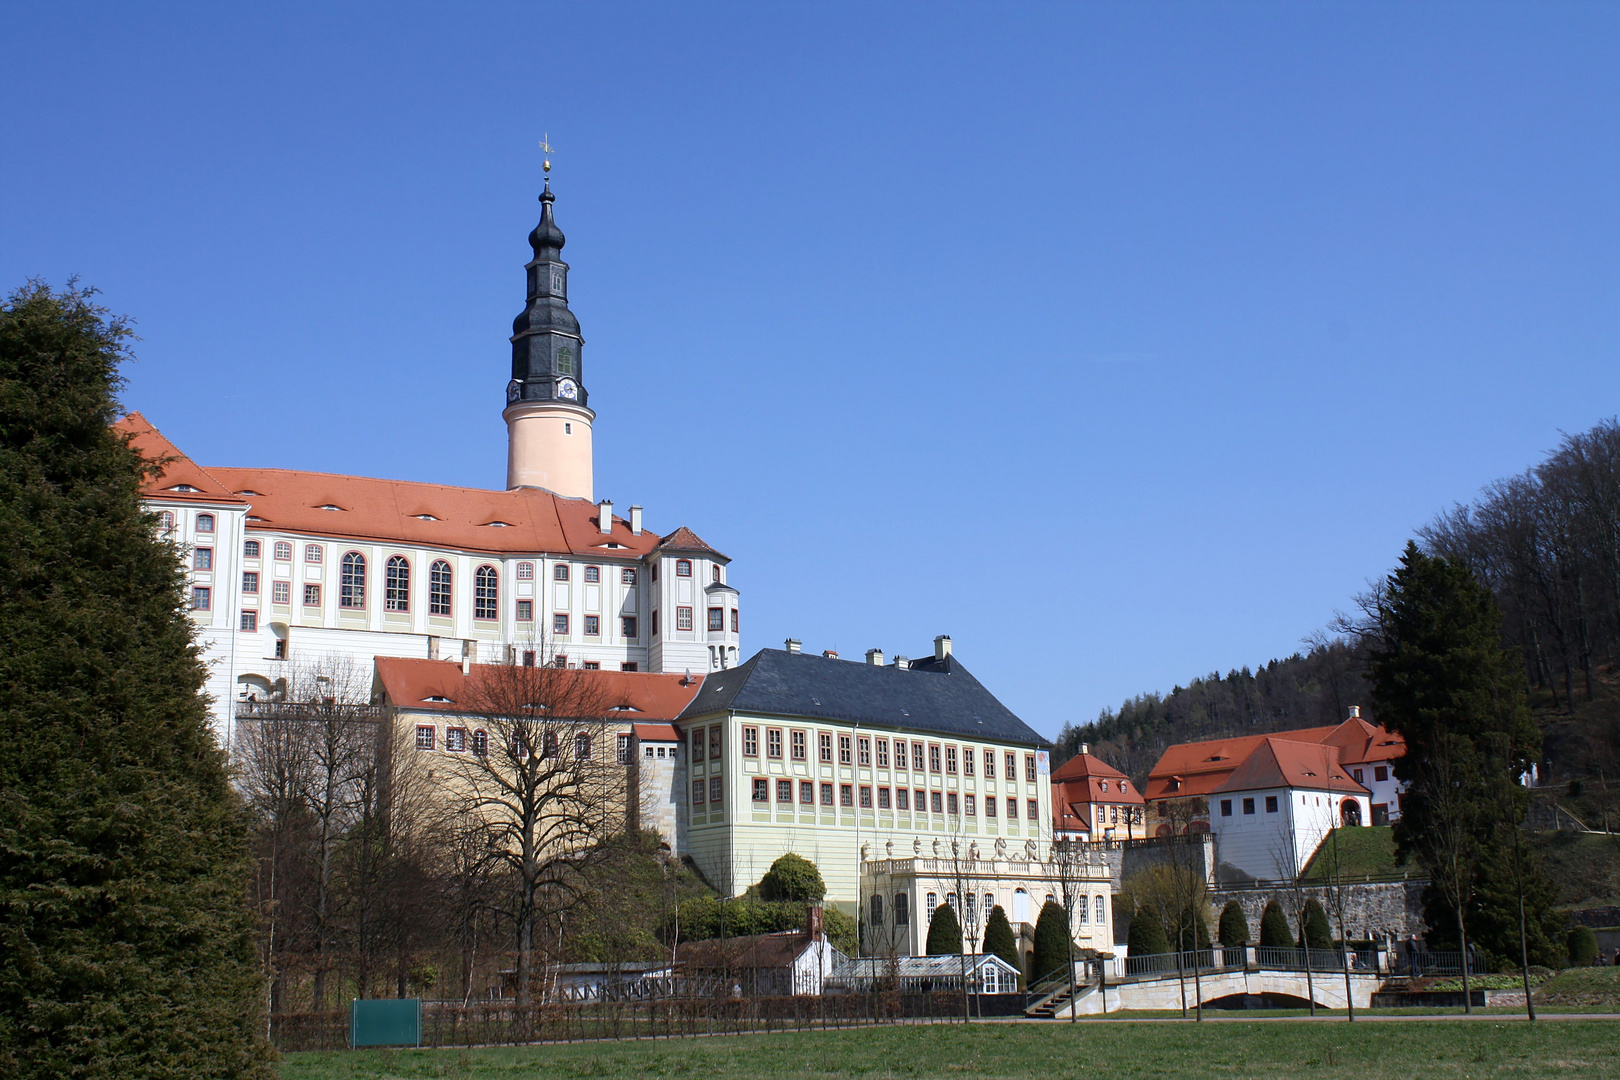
{"points": [[486, 593], [683, 567], [717, 618], [439, 588], [568, 429]]}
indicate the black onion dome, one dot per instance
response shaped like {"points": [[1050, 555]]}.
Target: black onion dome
{"points": [[547, 240]]}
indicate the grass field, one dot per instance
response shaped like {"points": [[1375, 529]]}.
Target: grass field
{"points": [[1370, 1050], [1369, 850]]}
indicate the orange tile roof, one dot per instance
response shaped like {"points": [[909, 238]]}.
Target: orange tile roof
{"points": [[658, 732], [1203, 766], [176, 469], [1279, 762], [684, 539], [1082, 779], [636, 695], [1361, 743]]}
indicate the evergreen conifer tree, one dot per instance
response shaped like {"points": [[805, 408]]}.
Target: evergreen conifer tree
{"points": [[1317, 932], [1051, 940], [126, 940], [999, 938], [1234, 929], [1582, 945], [1146, 936], [1274, 930], [944, 932]]}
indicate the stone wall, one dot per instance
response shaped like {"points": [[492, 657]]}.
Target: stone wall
{"points": [[1382, 909]]}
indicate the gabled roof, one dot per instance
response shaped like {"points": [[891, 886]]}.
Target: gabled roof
{"points": [[1279, 763], [1086, 778], [634, 696], [520, 521], [1201, 767], [1360, 742], [684, 539], [178, 470], [933, 695], [758, 951]]}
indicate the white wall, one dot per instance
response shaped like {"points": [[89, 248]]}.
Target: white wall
{"points": [[1277, 845]]}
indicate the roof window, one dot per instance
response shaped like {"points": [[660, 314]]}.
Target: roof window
{"points": [[184, 487], [424, 517], [498, 524], [249, 491], [329, 506], [439, 698]]}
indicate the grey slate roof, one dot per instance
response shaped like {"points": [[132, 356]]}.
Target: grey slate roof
{"points": [[933, 695]]}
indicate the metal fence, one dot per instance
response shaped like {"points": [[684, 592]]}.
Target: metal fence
{"points": [[1217, 958], [1425, 963], [506, 1024]]}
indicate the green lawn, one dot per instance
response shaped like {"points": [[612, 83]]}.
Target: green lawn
{"points": [[1371, 1050], [1362, 850], [1583, 986]]}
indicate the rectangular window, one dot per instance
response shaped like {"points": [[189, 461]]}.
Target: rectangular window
{"points": [[250, 621], [866, 797], [989, 806], [1271, 804], [883, 798], [250, 583], [717, 618], [683, 618], [1032, 810], [1012, 765], [480, 743], [593, 626], [424, 737], [624, 750], [950, 803], [593, 575], [1029, 767], [559, 623], [920, 800], [950, 760], [1012, 808], [627, 626], [762, 792], [990, 764], [202, 558], [936, 802], [969, 805], [699, 741], [799, 749], [735, 629], [933, 757], [630, 665], [312, 595], [655, 624], [863, 750], [917, 756], [591, 665], [1226, 808], [969, 756], [843, 750], [455, 738], [784, 791], [902, 799], [824, 743], [1380, 772], [751, 742], [807, 792], [525, 571], [846, 795], [773, 743], [714, 743], [1248, 806], [883, 753], [312, 553], [283, 550], [627, 576], [560, 573], [280, 651], [700, 792], [826, 794], [525, 611]]}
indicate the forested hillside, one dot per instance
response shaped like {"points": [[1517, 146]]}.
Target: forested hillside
{"points": [[1546, 543]]}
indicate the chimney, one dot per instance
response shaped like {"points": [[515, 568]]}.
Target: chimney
{"points": [[635, 521], [466, 664], [903, 663], [1355, 712], [604, 515], [831, 654], [813, 921], [792, 645], [874, 657], [942, 647], [1085, 748]]}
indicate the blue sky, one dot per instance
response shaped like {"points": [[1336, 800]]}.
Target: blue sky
{"points": [[1122, 342]]}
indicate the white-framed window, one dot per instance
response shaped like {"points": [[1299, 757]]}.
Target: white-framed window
{"points": [[397, 584], [627, 576], [250, 583], [312, 595], [205, 523], [1098, 908], [202, 598], [202, 558], [525, 571], [280, 592], [559, 623], [352, 581], [714, 789], [165, 523], [250, 622], [439, 582], [593, 626], [559, 572], [717, 619], [582, 746], [283, 551], [455, 739], [750, 742], [480, 742], [683, 618], [525, 612], [314, 553], [486, 593], [425, 734]]}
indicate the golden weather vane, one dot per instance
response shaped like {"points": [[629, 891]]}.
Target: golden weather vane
{"points": [[545, 148]]}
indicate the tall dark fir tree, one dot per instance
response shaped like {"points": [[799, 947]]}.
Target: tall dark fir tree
{"points": [[125, 941]]}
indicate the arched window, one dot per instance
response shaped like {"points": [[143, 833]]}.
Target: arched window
{"points": [[397, 584], [283, 550], [582, 746], [486, 593], [877, 910], [902, 909], [683, 567], [250, 550], [439, 588], [165, 523], [205, 522], [525, 571], [352, 581]]}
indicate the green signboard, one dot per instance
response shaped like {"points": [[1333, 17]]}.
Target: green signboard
{"points": [[387, 1022]]}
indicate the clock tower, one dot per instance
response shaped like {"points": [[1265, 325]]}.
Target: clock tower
{"points": [[548, 421]]}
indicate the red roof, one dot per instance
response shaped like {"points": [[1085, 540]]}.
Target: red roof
{"points": [[1085, 778], [1201, 767], [176, 470], [634, 695], [1279, 762], [1360, 743], [684, 539], [657, 732]]}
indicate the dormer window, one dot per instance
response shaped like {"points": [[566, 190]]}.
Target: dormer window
{"points": [[328, 506], [183, 488], [424, 517], [1103, 784], [438, 699], [249, 491], [498, 524]]}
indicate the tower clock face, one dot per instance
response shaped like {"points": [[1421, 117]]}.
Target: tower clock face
{"points": [[567, 390], [514, 390]]}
